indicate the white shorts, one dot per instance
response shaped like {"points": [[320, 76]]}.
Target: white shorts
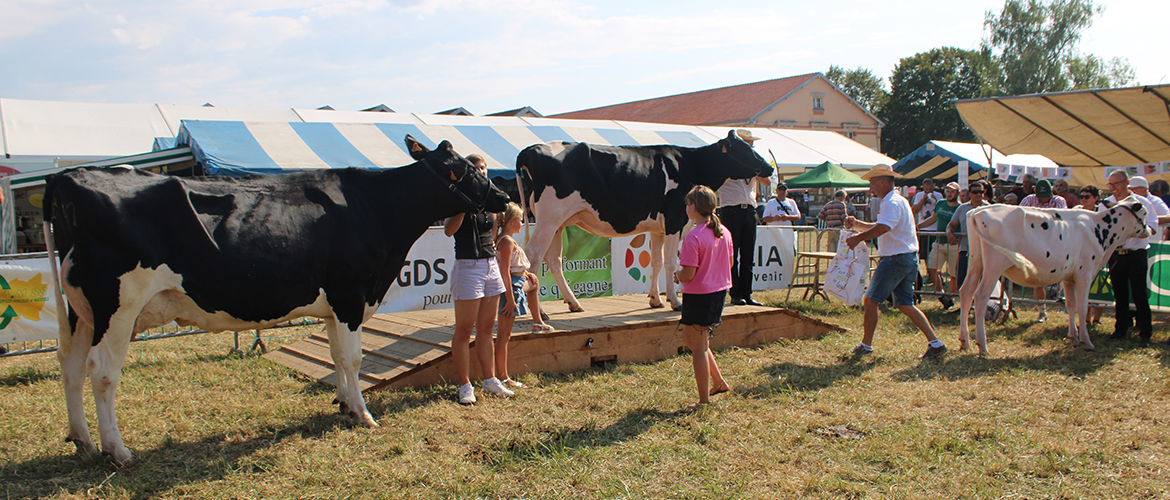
{"points": [[944, 254], [475, 279]]}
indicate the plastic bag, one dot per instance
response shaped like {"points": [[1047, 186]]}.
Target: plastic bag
{"points": [[845, 279]]}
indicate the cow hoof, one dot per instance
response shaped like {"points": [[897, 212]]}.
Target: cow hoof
{"points": [[676, 307], [656, 305], [964, 346], [1088, 347], [366, 420], [122, 461], [343, 409], [83, 447], [576, 309]]}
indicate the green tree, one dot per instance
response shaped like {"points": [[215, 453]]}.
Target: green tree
{"points": [[861, 85], [921, 90], [1034, 48]]}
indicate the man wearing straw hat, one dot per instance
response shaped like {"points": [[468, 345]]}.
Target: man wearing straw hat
{"points": [[737, 211], [898, 248]]}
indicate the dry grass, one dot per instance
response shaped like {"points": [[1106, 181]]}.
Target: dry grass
{"points": [[1036, 419]]}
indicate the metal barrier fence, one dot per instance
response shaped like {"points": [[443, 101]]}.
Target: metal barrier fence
{"points": [[175, 331]]}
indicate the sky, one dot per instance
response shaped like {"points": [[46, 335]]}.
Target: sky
{"points": [[425, 56]]}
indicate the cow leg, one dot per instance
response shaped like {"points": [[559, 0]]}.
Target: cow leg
{"points": [[656, 271], [105, 362], [351, 359], [1070, 306], [555, 260], [341, 395], [967, 294], [992, 267], [1080, 295], [72, 351], [670, 254], [345, 347], [545, 246]]}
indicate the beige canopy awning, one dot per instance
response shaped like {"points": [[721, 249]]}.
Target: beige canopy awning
{"points": [[1088, 128]]}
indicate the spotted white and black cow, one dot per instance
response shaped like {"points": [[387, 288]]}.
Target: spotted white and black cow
{"points": [[621, 190], [139, 250], [1040, 247]]}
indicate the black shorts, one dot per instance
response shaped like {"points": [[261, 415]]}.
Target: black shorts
{"points": [[703, 309]]}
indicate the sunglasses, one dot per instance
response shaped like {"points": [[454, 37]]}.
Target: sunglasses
{"points": [[1084, 196], [976, 192]]}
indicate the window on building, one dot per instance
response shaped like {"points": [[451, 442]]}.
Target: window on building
{"points": [[850, 134], [817, 101]]}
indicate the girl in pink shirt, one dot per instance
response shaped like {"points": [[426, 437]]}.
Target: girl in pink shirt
{"points": [[706, 258]]}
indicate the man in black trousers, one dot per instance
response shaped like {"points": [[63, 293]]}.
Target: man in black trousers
{"points": [[737, 211]]}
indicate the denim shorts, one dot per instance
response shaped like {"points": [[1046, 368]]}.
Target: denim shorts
{"points": [[895, 273], [518, 295], [475, 279]]}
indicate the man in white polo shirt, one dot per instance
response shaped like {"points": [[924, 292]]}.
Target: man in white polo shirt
{"points": [[898, 248], [1129, 266]]}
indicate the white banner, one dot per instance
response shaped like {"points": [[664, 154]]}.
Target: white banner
{"points": [[775, 261], [424, 282], [28, 306], [775, 257]]}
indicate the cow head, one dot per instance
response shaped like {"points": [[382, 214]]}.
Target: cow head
{"points": [[735, 160], [1138, 210], [473, 188]]}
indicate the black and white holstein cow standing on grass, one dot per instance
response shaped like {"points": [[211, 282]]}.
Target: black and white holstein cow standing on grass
{"points": [[621, 190], [1039, 247], [139, 250]]}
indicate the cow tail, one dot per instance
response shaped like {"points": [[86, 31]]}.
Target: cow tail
{"points": [[523, 199], [1017, 258], [47, 227]]}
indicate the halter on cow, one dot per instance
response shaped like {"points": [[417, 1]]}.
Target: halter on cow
{"points": [[620, 190], [139, 250]]}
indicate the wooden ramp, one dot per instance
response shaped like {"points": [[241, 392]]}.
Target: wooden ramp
{"points": [[413, 349]]}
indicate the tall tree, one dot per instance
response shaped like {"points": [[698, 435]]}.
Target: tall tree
{"points": [[861, 85], [921, 90], [1034, 47]]}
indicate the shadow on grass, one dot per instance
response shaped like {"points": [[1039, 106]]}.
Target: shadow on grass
{"points": [[28, 375], [784, 377], [565, 442], [156, 471], [1068, 361]]}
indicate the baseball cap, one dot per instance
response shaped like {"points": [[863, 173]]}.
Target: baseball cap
{"points": [[1139, 182], [1044, 189], [780, 186], [954, 185]]}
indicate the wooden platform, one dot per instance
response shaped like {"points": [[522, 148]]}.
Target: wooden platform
{"points": [[413, 349]]}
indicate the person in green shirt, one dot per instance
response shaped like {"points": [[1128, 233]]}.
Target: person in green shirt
{"points": [[943, 252]]}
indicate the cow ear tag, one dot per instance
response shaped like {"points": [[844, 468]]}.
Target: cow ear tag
{"points": [[415, 147], [724, 148], [453, 175]]}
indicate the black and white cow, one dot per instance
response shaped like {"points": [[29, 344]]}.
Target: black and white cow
{"points": [[139, 250], [1040, 247], [621, 190]]}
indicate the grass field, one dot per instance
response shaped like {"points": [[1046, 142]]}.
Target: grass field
{"points": [[1036, 419]]}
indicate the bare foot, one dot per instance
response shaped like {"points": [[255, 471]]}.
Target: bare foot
{"points": [[721, 389], [695, 406]]}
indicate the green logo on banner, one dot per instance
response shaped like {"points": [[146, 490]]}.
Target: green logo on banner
{"points": [[586, 263], [1159, 278]]}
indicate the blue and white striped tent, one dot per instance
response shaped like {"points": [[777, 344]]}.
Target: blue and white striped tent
{"points": [[237, 148], [335, 139]]}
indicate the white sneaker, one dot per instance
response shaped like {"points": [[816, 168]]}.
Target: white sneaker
{"points": [[494, 386], [467, 394]]}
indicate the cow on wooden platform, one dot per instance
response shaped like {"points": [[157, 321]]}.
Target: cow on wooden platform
{"points": [[1040, 247], [139, 250], [621, 190]]}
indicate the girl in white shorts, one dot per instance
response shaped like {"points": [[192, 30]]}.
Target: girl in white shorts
{"points": [[476, 286]]}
